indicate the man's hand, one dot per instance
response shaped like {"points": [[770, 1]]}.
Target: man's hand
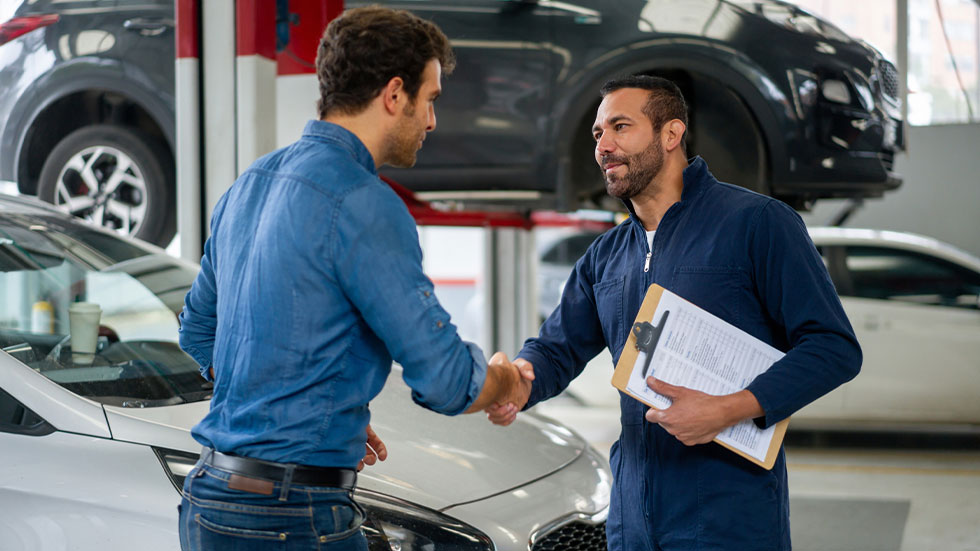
{"points": [[504, 412], [697, 418], [374, 451], [502, 384]]}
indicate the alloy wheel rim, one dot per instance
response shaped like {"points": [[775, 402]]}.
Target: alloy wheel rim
{"points": [[102, 184]]}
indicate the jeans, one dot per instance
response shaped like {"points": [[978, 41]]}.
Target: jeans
{"points": [[214, 517]]}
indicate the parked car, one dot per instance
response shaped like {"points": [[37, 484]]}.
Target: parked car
{"points": [[87, 106], [914, 303], [87, 109], [816, 116], [92, 455]]}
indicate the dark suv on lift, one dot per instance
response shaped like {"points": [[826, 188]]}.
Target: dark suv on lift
{"points": [[781, 102]]}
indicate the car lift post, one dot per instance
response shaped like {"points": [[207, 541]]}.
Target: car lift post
{"points": [[227, 64], [226, 96]]}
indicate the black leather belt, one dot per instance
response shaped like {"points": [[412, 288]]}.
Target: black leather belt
{"points": [[302, 475]]}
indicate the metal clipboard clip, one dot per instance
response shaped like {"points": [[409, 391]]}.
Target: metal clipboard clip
{"points": [[647, 336]]}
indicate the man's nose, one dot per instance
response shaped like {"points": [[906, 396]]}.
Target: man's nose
{"points": [[432, 119], [604, 144]]}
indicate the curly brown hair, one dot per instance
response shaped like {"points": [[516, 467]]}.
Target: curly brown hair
{"points": [[366, 47]]}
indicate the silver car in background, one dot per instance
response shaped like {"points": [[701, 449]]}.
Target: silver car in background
{"points": [[92, 456], [914, 303]]}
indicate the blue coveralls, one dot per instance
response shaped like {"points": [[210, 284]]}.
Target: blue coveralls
{"points": [[747, 259]]}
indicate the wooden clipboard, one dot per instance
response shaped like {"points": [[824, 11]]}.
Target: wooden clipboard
{"points": [[625, 366]]}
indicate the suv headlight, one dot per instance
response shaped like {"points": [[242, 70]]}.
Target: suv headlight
{"points": [[398, 525]]}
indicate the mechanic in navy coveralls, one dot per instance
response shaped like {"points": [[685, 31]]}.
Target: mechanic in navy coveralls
{"points": [[741, 256]]}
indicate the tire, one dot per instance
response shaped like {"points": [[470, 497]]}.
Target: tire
{"points": [[81, 169]]}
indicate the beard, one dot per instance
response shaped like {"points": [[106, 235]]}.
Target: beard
{"points": [[642, 168], [403, 142]]}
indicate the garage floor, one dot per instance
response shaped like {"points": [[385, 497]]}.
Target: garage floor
{"points": [[881, 499], [921, 496]]}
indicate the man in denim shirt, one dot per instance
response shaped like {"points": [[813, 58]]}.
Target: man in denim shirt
{"points": [[741, 256], [310, 284]]}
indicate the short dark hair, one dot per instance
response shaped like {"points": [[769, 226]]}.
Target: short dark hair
{"points": [[666, 102], [364, 48]]}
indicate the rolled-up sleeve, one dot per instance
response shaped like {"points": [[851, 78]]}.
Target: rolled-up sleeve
{"points": [[199, 318], [378, 263], [798, 295]]}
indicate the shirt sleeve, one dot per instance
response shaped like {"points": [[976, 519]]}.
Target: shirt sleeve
{"points": [[569, 338], [199, 319], [798, 295], [378, 264]]}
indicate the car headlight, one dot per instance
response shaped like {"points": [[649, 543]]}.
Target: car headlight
{"points": [[398, 525], [836, 91], [392, 524]]}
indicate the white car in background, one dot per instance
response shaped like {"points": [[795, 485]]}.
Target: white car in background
{"points": [[914, 303], [92, 456]]}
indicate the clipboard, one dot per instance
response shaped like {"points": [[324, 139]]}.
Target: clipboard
{"points": [[646, 336]]}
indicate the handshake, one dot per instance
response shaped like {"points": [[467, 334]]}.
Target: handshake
{"points": [[506, 390]]}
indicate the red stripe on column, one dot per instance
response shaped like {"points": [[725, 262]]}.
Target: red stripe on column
{"points": [[299, 57], [255, 22], [188, 35]]}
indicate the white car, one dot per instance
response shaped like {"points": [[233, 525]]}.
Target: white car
{"points": [[92, 455], [914, 303]]}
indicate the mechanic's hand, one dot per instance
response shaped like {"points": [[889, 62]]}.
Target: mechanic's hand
{"points": [[375, 450], [693, 417], [505, 411]]}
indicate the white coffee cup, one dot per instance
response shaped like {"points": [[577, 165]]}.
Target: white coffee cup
{"points": [[83, 321]]}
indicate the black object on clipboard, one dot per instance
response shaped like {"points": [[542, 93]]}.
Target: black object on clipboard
{"points": [[647, 336]]}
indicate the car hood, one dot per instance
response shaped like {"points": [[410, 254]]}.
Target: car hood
{"points": [[434, 460]]}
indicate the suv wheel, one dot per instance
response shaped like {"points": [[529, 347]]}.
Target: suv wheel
{"points": [[113, 176]]}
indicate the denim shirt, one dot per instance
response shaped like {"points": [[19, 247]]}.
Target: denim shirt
{"points": [[747, 259], [310, 283]]}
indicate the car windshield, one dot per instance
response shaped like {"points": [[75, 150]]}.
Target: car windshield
{"points": [[124, 350]]}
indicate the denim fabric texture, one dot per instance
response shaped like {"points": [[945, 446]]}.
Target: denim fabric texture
{"points": [[213, 517], [310, 284], [747, 259]]}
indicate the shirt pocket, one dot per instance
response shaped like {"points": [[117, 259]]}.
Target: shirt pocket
{"points": [[609, 307], [715, 289]]}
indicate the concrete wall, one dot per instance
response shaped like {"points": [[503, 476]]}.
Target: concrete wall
{"points": [[940, 197]]}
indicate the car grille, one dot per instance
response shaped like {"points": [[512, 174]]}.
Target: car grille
{"points": [[888, 77], [574, 536]]}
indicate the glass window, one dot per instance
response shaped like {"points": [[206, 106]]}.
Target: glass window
{"points": [[890, 274], [935, 92], [569, 250], [124, 352]]}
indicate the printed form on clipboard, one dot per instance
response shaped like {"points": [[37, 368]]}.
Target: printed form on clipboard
{"points": [[679, 343]]}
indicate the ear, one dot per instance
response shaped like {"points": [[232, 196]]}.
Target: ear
{"points": [[673, 134], [393, 96]]}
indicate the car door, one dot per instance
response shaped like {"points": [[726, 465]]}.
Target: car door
{"points": [[917, 320], [492, 111]]}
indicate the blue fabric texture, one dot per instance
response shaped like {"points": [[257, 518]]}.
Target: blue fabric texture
{"points": [[212, 516], [747, 259], [310, 284]]}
